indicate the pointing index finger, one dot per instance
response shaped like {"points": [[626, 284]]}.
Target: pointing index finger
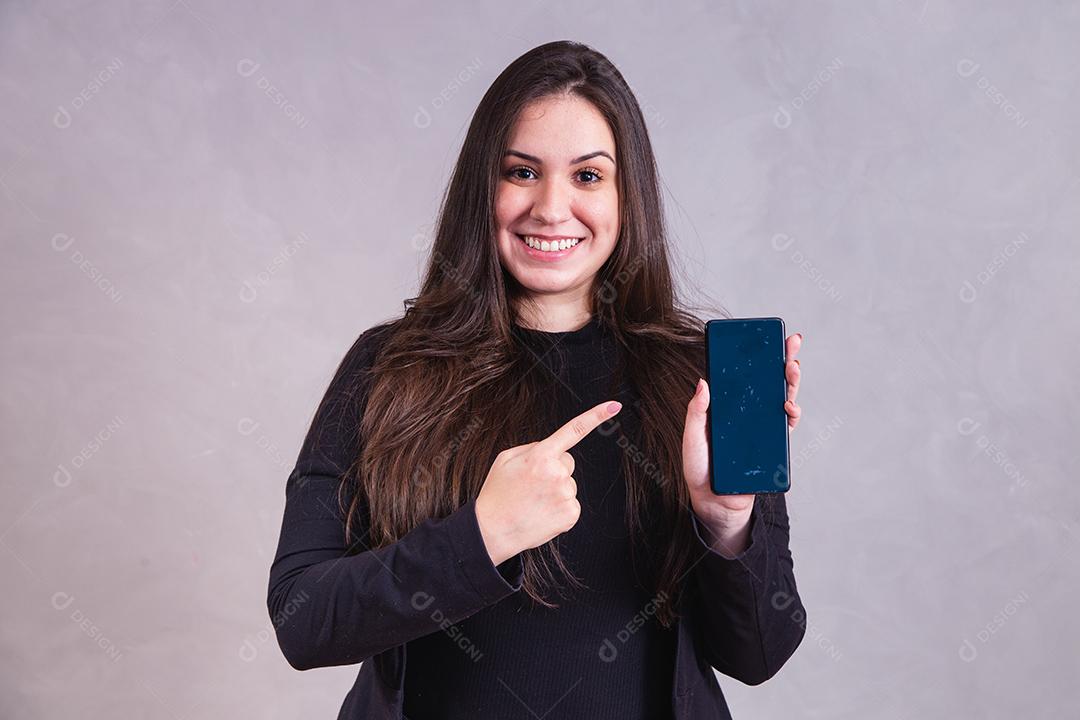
{"points": [[577, 428]]}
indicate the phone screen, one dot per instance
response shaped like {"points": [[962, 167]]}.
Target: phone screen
{"points": [[746, 423]]}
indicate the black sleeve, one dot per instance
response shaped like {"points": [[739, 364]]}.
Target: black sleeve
{"points": [[332, 608], [753, 618]]}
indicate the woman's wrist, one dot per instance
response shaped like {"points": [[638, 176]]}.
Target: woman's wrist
{"points": [[730, 536], [497, 547]]}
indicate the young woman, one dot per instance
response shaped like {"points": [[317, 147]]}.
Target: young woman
{"points": [[471, 514]]}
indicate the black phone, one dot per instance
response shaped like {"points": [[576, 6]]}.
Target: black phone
{"points": [[747, 426]]}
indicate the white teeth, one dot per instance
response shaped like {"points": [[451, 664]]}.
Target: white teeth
{"points": [[550, 245]]}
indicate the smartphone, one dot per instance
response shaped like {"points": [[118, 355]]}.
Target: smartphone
{"points": [[746, 424]]}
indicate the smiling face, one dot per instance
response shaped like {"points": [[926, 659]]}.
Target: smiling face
{"points": [[557, 185]]}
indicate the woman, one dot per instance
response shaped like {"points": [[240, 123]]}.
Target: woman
{"points": [[465, 467]]}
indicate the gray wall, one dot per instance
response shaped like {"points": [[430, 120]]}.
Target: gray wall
{"points": [[203, 204]]}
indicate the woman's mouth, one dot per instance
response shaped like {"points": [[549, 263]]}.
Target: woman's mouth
{"points": [[553, 249]]}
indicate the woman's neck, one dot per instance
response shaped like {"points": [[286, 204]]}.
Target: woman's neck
{"points": [[561, 322], [555, 314]]}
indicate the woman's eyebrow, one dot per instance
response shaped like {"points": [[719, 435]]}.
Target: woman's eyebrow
{"points": [[575, 161]]}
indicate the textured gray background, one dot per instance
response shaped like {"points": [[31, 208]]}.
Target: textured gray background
{"points": [[203, 204]]}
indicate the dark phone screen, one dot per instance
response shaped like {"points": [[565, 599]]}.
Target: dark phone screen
{"points": [[747, 425]]}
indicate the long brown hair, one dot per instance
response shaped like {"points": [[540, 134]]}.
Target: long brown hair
{"points": [[452, 386]]}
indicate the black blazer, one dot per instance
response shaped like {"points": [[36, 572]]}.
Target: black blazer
{"points": [[741, 616]]}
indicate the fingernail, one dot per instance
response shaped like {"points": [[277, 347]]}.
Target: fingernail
{"points": [[700, 384], [800, 336], [613, 407]]}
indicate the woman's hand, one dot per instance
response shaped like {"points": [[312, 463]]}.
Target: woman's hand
{"points": [[726, 516], [529, 496]]}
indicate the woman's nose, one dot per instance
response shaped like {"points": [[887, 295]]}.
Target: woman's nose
{"points": [[551, 205]]}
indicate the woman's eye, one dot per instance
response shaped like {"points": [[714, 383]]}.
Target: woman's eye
{"points": [[593, 173], [514, 172]]}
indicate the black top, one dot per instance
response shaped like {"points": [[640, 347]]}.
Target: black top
{"points": [[601, 653]]}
